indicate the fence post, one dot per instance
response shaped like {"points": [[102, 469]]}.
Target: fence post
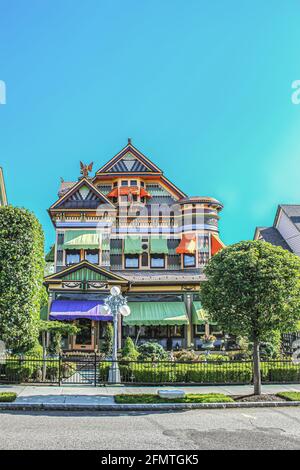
{"points": [[95, 370], [59, 369]]}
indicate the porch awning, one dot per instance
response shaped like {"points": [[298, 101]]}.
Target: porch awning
{"points": [[126, 190], [113, 193], [187, 245], [158, 245], [145, 193], [133, 246], [199, 315], [73, 309], [156, 313], [216, 244], [77, 239]]}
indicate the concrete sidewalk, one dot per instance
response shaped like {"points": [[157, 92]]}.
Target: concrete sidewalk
{"points": [[94, 396]]}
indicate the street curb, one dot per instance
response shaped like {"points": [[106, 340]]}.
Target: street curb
{"points": [[143, 407]]}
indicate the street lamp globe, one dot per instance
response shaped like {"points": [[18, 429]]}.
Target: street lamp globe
{"points": [[124, 310], [115, 290]]}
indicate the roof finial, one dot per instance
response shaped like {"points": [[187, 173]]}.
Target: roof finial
{"points": [[86, 169], [129, 140]]}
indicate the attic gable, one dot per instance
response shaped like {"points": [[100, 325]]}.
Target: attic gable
{"points": [[129, 160], [85, 271], [83, 195]]}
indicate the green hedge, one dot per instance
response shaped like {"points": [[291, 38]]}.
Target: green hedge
{"points": [[280, 372], [30, 370], [180, 373]]}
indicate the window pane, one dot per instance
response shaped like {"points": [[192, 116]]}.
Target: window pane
{"points": [[133, 183], [131, 261], [92, 256], [73, 257], [157, 261], [189, 260], [124, 183]]}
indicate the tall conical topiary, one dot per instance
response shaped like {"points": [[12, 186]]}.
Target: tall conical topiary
{"points": [[21, 277]]}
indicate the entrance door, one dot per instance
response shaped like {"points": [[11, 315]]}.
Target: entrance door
{"points": [[85, 339]]}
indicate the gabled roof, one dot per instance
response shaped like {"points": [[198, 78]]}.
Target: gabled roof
{"points": [[271, 235], [103, 273], [129, 160], [292, 211], [80, 196], [3, 197]]}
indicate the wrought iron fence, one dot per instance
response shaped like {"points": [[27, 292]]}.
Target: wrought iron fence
{"points": [[93, 370]]}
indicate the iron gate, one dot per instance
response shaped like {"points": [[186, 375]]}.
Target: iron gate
{"points": [[79, 370]]}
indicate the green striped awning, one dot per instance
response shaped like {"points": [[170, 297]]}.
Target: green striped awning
{"points": [[86, 239], [159, 245], [133, 246], [199, 315], [156, 313]]}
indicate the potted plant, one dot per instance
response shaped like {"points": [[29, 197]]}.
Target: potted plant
{"points": [[208, 341]]}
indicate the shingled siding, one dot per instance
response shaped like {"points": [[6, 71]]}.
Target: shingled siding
{"points": [[289, 232]]}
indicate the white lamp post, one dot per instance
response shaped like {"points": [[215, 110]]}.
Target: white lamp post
{"points": [[116, 305]]}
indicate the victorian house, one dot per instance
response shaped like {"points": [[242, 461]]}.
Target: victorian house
{"points": [[128, 225]]}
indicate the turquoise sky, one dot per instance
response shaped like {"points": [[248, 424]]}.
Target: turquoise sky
{"points": [[203, 88]]}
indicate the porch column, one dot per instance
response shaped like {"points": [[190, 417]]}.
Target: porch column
{"points": [[188, 298]]}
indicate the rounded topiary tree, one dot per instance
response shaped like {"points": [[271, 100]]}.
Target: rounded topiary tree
{"points": [[21, 277], [129, 350], [253, 289]]}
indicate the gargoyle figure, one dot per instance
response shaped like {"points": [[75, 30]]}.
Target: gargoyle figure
{"points": [[86, 169]]}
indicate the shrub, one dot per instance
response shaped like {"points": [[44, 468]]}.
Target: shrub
{"points": [[21, 277], [103, 371], [7, 397], [17, 370], [152, 373], [231, 373], [129, 351], [280, 372], [213, 358], [185, 356], [152, 352], [108, 339]]}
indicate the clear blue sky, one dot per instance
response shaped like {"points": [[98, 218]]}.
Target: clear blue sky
{"points": [[203, 88]]}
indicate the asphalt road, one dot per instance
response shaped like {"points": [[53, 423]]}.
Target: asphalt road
{"points": [[182, 430]]}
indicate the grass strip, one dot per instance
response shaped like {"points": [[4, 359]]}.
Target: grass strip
{"points": [[289, 396], [189, 398]]}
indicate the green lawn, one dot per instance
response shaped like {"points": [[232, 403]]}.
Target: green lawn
{"points": [[7, 396], [189, 398], [289, 396]]}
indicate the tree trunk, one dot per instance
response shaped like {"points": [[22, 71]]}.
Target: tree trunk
{"points": [[256, 368]]}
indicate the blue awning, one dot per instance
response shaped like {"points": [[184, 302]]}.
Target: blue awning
{"points": [[73, 309]]}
